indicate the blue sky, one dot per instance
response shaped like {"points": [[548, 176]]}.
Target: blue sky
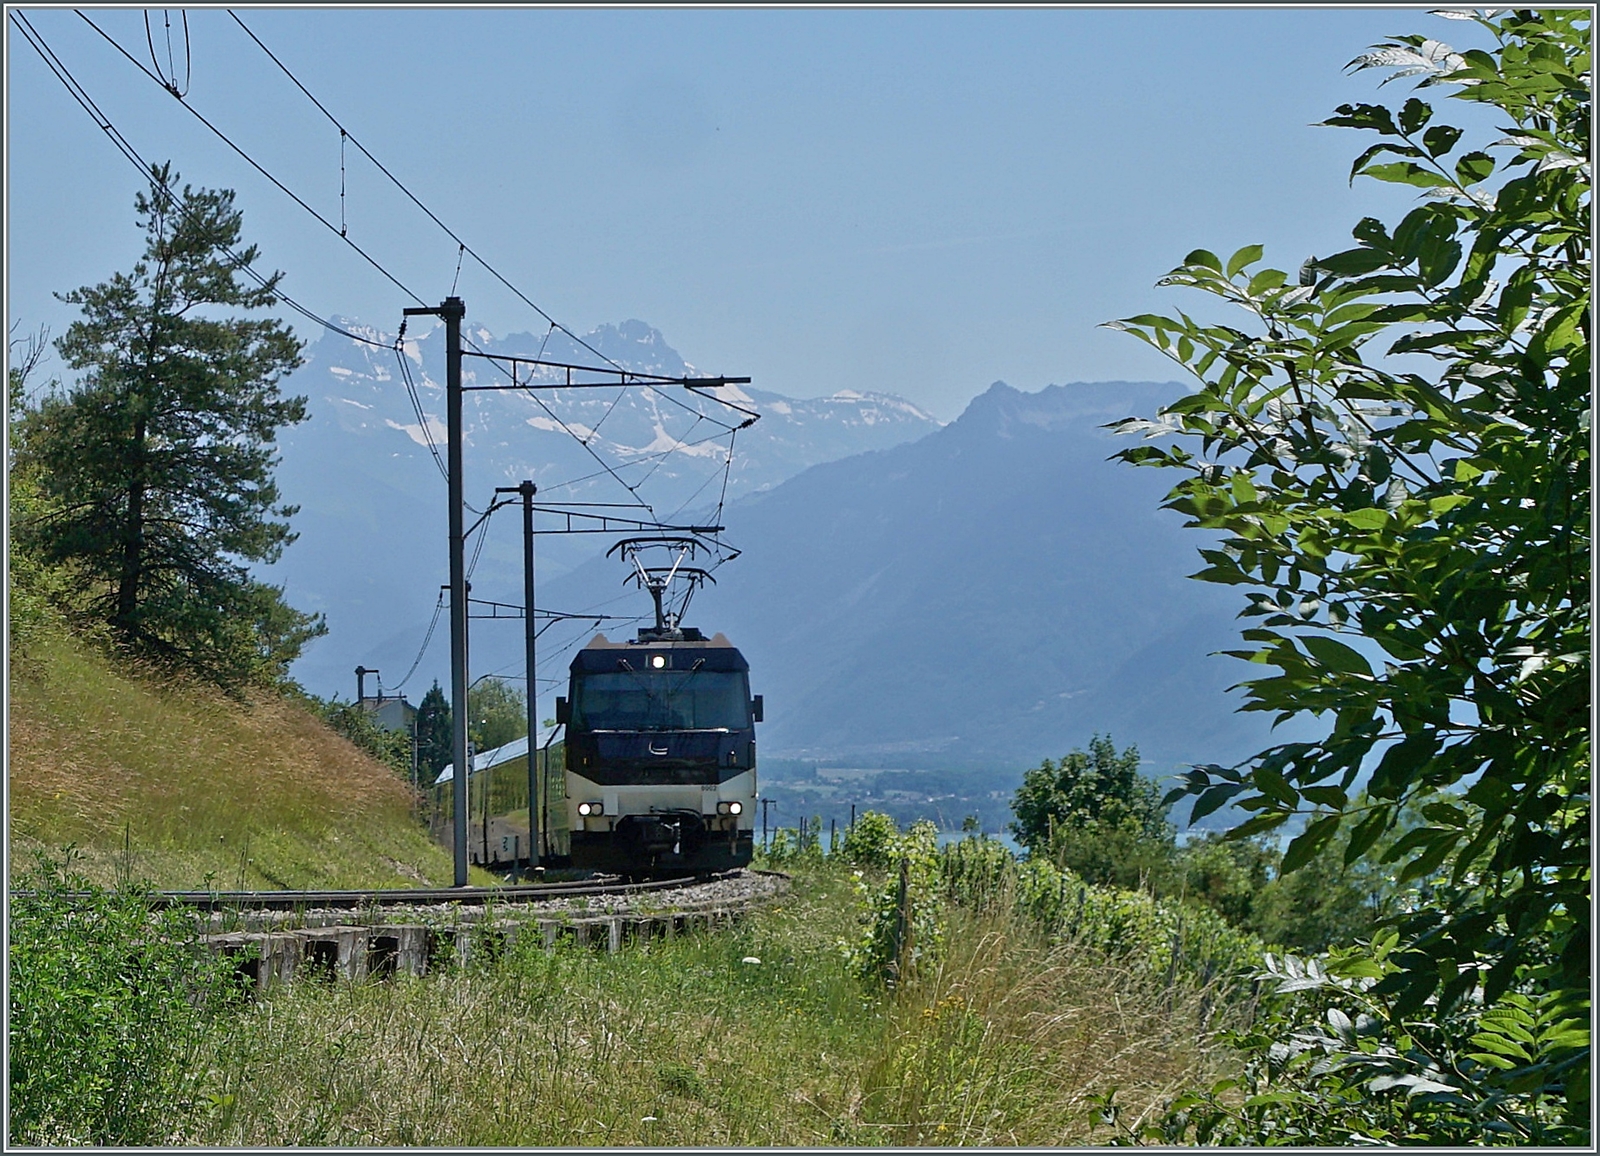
{"points": [[913, 200]]}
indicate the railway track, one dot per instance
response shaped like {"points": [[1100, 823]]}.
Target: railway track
{"points": [[414, 896], [276, 937]]}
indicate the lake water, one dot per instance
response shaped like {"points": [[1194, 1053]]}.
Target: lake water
{"points": [[1002, 837]]}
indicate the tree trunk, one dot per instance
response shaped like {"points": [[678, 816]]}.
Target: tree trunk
{"points": [[132, 540]]}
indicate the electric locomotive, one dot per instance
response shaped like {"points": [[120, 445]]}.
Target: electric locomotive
{"points": [[658, 761], [660, 753], [660, 737]]}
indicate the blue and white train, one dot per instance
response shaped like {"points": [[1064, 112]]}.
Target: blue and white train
{"points": [[660, 754], [656, 773]]}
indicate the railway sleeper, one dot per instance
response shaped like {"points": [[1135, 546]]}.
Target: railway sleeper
{"points": [[260, 958]]}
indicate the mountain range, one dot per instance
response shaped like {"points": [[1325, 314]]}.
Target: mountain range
{"points": [[372, 548], [991, 594], [978, 595]]}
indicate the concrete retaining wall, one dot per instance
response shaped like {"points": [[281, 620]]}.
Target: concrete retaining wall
{"points": [[381, 951]]}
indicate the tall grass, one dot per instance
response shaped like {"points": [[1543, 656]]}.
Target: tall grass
{"points": [[689, 1042], [181, 785], [1009, 1040], [109, 1004]]}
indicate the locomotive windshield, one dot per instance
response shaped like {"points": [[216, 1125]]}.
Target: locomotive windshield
{"points": [[664, 700]]}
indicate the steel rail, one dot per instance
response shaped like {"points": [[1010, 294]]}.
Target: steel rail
{"points": [[407, 897], [402, 897]]}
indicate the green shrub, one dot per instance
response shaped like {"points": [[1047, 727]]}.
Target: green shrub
{"points": [[1160, 935], [1326, 902], [902, 928], [109, 1003], [869, 840], [1332, 1060]]}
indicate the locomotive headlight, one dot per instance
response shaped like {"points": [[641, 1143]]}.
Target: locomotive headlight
{"points": [[590, 809], [658, 660], [732, 807]]}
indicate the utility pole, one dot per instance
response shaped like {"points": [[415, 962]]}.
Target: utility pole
{"points": [[530, 637], [452, 311], [765, 803]]}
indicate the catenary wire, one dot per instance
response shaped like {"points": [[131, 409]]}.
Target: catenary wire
{"points": [[651, 471], [465, 248], [416, 403], [253, 163], [76, 90], [81, 96], [172, 67], [426, 639], [642, 458]]}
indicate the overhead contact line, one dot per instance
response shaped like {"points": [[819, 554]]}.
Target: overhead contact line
{"points": [[81, 95], [399, 184], [649, 381], [253, 163]]}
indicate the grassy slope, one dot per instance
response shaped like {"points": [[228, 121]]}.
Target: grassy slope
{"points": [[183, 787], [757, 1035]]}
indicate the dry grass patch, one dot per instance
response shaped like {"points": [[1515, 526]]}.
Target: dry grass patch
{"points": [[1007, 1040], [177, 783]]}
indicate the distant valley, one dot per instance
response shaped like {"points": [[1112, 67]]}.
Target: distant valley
{"points": [[372, 553], [971, 597]]}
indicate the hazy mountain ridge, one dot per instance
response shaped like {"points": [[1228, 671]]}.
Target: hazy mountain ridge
{"points": [[371, 552], [991, 594]]}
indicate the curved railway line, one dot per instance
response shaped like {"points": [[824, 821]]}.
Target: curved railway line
{"points": [[412, 896], [283, 936]]}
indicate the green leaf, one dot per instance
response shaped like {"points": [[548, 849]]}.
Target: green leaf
{"points": [[1446, 813], [1270, 782], [1413, 115], [1245, 256], [1326, 797], [1407, 173], [1204, 258], [1265, 280], [1429, 861], [1492, 1061], [1305, 845], [1212, 799], [1353, 262], [1474, 167], [1337, 655], [1366, 833], [1383, 148], [1438, 260], [1368, 518], [1368, 116], [1440, 139], [1401, 764], [1257, 825]]}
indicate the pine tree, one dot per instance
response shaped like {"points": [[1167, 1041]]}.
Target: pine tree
{"points": [[158, 462], [433, 734]]}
